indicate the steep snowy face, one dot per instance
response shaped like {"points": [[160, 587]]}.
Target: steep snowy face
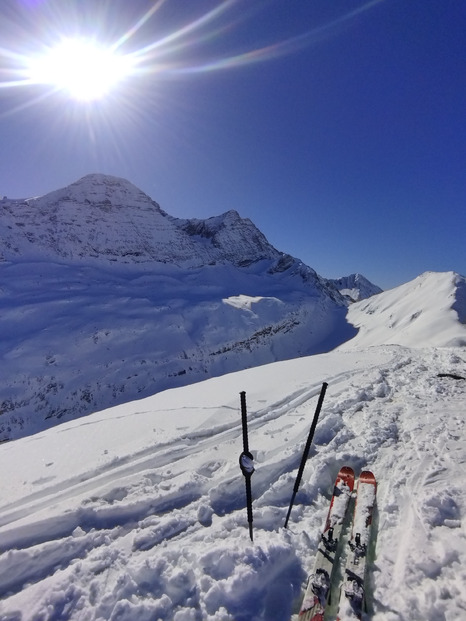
{"points": [[355, 287], [77, 338], [98, 217], [428, 311], [103, 192], [238, 239], [108, 219]]}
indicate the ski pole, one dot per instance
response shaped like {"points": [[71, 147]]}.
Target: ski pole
{"points": [[306, 450], [246, 461]]}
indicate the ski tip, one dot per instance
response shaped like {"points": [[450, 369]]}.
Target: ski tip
{"points": [[347, 471], [367, 477], [346, 474]]}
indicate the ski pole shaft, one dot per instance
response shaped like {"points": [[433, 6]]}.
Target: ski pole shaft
{"points": [[246, 462], [244, 421], [310, 437], [306, 450], [249, 505]]}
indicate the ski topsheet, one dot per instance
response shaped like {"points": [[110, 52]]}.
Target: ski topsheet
{"points": [[318, 586], [352, 599]]}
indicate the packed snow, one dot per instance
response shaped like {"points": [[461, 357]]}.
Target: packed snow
{"points": [[138, 512]]}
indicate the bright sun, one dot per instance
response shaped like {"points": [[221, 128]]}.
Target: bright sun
{"points": [[80, 67]]}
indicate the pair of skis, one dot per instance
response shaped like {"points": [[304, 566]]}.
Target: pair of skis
{"points": [[352, 597]]}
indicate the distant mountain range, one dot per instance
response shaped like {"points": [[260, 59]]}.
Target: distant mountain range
{"points": [[106, 298]]}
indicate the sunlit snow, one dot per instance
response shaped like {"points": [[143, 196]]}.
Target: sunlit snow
{"points": [[138, 512]]}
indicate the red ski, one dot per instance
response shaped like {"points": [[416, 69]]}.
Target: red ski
{"points": [[318, 586], [352, 599]]}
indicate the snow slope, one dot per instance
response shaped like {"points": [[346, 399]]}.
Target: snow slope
{"points": [[79, 338], [429, 310], [139, 512]]}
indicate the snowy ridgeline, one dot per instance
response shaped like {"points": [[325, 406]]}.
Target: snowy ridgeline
{"points": [[138, 512], [109, 220]]}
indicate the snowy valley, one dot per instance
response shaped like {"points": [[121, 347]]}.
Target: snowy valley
{"points": [[137, 511]]}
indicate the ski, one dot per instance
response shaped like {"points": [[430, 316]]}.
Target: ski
{"points": [[318, 586], [352, 598]]}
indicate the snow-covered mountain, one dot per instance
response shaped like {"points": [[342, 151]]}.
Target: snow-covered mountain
{"points": [[355, 287], [109, 220], [106, 298]]}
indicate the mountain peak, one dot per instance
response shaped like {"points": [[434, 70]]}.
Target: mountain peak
{"points": [[355, 287], [102, 191], [240, 240]]}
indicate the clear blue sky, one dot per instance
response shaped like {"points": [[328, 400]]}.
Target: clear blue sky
{"points": [[344, 140]]}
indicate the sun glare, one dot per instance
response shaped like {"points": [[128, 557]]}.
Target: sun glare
{"points": [[87, 70], [81, 68]]}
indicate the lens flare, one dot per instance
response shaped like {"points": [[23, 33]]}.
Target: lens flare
{"points": [[83, 69], [86, 69]]}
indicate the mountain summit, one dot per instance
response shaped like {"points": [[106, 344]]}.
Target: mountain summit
{"points": [[109, 219]]}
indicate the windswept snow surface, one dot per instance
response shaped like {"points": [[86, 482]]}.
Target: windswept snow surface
{"points": [[429, 310], [138, 512]]}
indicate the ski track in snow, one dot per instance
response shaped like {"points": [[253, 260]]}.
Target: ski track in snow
{"points": [[148, 521]]}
